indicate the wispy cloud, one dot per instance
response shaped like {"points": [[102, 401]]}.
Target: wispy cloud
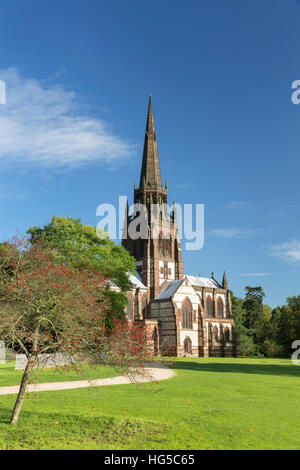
{"points": [[287, 251], [237, 205], [234, 233], [256, 274], [49, 125]]}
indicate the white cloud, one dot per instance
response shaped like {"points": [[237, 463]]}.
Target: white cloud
{"points": [[256, 274], [234, 233], [288, 251], [46, 125]]}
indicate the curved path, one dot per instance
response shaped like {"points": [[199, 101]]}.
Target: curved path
{"points": [[155, 372]]}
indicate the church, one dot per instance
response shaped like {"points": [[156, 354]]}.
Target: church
{"points": [[186, 315]]}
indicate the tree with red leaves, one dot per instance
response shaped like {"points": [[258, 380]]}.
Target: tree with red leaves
{"points": [[49, 308]]}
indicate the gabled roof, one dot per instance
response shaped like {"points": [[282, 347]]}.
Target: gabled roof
{"points": [[168, 289], [136, 281], [197, 281]]}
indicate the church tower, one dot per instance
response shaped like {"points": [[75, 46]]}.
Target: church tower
{"points": [[158, 254]]}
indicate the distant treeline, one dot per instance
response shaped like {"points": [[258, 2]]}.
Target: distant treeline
{"points": [[263, 330]]}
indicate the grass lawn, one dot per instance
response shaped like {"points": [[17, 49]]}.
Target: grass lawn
{"points": [[10, 376], [211, 403]]}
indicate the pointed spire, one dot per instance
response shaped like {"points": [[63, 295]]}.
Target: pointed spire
{"points": [[150, 172], [174, 210], [150, 127], [224, 281]]}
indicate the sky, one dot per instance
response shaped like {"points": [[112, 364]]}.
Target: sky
{"points": [[78, 74]]}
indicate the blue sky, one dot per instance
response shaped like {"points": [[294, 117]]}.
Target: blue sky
{"points": [[78, 74]]}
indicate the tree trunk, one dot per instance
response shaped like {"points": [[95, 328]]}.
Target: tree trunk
{"points": [[22, 391]]}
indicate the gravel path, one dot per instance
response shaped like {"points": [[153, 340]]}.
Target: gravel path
{"points": [[156, 372]]}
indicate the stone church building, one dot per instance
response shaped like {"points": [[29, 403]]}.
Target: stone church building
{"points": [[187, 315]]}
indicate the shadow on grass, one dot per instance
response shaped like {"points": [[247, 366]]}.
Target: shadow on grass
{"points": [[289, 370], [38, 430]]}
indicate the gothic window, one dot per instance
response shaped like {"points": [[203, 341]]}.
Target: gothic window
{"points": [[227, 313], [215, 334], [186, 314], [227, 334], [209, 306], [130, 309], [166, 270], [144, 306], [220, 308], [187, 345]]}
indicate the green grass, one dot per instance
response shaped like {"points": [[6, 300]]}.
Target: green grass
{"points": [[10, 376], [212, 403]]}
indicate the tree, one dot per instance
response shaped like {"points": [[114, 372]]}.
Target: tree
{"points": [[253, 305], [245, 345], [48, 307], [80, 246], [294, 304], [285, 324], [261, 329]]}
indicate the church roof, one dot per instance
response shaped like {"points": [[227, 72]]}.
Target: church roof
{"points": [[136, 281], [168, 289], [203, 282]]}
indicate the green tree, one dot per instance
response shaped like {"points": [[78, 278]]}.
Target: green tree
{"points": [[253, 306], [80, 246], [245, 345], [286, 323], [294, 304]]}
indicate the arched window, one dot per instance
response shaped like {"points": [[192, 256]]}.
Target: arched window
{"points": [[215, 334], [186, 314], [155, 341], [227, 334], [209, 306], [144, 306], [220, 307], [187, 344], [130, 309], [160, 243]]}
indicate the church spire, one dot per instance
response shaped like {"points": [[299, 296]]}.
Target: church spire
{"points": [[150, 172], [224, 281]]}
